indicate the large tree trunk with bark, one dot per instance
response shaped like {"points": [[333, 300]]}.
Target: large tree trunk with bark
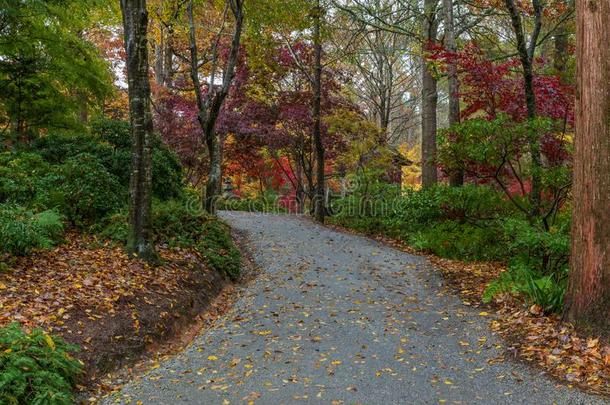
{"points": [[135, 22], [319, 206], [588, 296], [456, 177], [429, 100]]}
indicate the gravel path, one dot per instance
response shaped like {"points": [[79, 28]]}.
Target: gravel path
{"points": [[341, 319]]}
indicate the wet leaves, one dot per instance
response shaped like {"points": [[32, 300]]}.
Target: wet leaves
{"points": [[47, 288], [545, 341]]}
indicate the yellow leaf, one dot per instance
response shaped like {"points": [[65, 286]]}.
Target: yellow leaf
{"points": [[49, 341], [591, 343], [483, 313], [263, 332], [335, 362], [212, 358]]}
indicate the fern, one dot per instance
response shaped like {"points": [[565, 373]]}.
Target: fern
{"points": [[36, 368], [22, 230]]}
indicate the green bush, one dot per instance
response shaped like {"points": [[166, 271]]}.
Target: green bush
{"points": [[115, 132], [176, 224], [167, 173], [22, 230], [547, 291], [19, 175], [36, 368], [81, 189], [538, 263], [544, 251], [57, 147], [267, 202], [110, 143], [217, 247], [457, 240]]}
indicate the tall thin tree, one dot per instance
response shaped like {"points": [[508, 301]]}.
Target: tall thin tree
{"points": [[319, 206], [210, 103], [456, 177], [429, 98], [526, 51], [588, 296], [135, 24]]}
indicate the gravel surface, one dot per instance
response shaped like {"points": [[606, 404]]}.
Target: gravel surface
{"points": [[341, 319]]}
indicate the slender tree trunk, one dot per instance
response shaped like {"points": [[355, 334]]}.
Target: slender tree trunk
{"points": [[526, 56], [560, 42], [300, 191], [159, 73], [135, 22], [209, 105], [560, 54], [429, 101], [456, 177], [588, 296], [319, 208]]}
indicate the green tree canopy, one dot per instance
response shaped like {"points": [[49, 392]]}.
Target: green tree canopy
{"points": [[49, 71]]}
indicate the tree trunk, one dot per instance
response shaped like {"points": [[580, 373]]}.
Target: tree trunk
{"points": [[319, 208], [588, 296], [456, 177], [159, 73], [212, 186], [429, 101], [209, 105], [135, 22], [560, 54], [526, 56]]}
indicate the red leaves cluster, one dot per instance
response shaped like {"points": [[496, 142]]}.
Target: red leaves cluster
{"points": [[497, 87]]}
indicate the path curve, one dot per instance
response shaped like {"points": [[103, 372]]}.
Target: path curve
{"points": [[341, 319]]}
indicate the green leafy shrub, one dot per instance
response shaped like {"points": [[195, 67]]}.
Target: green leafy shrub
{"points": [[81, 189], [176, 224], [36, 368], [115, 132], [218, 248], [110, 143], [22, 230], [460, 241], [547, 291], [547, 252], [57, 147], [167, 173], [538, 263], [19, 175], [266, 202]]}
